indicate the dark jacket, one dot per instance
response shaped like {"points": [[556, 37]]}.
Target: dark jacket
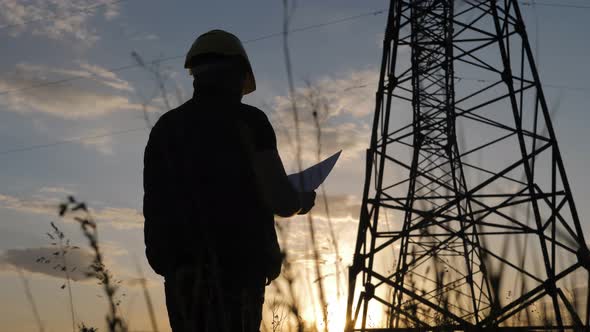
{"points": [[200, 195]]}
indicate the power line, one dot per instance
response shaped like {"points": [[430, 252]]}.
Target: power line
{"points": [[55, 16], [165, 59], [554, 86], [320, 25], [546, 4], [68, 141], [73, 78], [124, 131]]}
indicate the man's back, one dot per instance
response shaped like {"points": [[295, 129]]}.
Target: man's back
{"points": [[198, 169]]}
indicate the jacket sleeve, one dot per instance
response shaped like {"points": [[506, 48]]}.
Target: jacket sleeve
{"points": [[157, 201], [277, 191], [265, 146]]}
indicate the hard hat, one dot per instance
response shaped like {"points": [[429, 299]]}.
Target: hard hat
{"points": [[222, 43]]}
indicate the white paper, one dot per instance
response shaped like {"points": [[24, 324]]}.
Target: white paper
{"points": [[311, 178]]}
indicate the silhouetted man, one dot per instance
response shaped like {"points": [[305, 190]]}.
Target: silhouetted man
{"points": [[213, 180]]}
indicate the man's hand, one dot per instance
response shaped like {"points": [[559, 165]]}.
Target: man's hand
{"points": [[273, 273], [275, 262], [277, 191], [307, 201]]}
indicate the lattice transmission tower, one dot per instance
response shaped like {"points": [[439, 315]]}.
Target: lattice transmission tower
{"points": [[467, 220]]}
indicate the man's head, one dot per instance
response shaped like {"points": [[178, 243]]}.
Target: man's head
{"points": [[218, 60]]}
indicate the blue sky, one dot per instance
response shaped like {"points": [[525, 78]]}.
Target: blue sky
{"points": [[107, 171]]}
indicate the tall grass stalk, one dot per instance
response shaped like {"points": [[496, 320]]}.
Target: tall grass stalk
{"points": [[31, 300], [63, 249], [287, 16], [115, 322], [317, 104], [147, 297]]}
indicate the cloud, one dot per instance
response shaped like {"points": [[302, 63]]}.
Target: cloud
{"points": [[120, 218], [48, 261], [56, 19], [99, 142], [78, 261], [47, 200], [296, 237], [143, 37], [35, 206], [112, 11], [108, 77], [340, 207], [343, 105], [56, 190], [105, 93]]}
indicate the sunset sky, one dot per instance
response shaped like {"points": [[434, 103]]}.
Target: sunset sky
{"points": [[85, 137]]}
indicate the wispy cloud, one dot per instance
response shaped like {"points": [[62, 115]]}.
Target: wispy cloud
{"points": [[149, 36], [105, 93], [28, 259], [56, 190], [342, 105], [46, 202], [104, 76], [295, 238], [341, 207], [120, 217], [33, 205], [102, 144], [56, 19], [45, 260]]}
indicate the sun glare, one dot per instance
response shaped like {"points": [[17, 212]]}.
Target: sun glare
{"points": [[337, 316]]}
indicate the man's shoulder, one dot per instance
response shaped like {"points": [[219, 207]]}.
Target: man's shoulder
{"points": [[253, 112], [172, 116], [261, 128]]}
